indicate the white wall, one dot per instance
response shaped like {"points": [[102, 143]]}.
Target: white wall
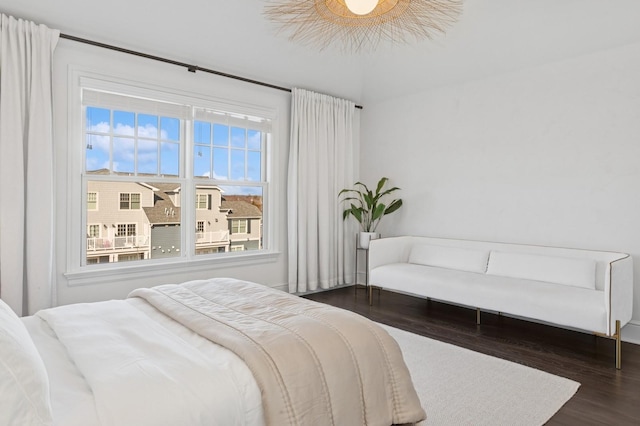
{"points": [[547, 155], [271, 271]]}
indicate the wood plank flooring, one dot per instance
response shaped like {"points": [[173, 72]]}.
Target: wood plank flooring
{"points": [[606, 396]]}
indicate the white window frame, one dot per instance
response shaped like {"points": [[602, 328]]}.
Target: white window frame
{"points": [[97, 207], [98, 225], [130, 194], [125, 255], [126, 226], [77, 272], [200, 195], [239, 221]]}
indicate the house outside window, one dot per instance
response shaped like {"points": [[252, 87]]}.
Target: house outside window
{"points": [[137, 154]]}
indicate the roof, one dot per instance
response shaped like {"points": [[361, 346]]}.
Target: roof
{"points": [[240, 209], [163, 210], [167, 187], [256, 200]]}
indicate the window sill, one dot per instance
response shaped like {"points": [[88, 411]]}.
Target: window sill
{"points": [[112, 272]]}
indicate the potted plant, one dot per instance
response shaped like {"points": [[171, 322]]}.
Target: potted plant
{"points": [[368, 209]]}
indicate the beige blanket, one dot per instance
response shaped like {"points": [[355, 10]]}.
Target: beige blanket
{"points": [[315, 364]]}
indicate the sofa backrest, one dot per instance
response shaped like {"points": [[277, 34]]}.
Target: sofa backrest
{"points": [[463, 259], [553, 269], [554, 264]]}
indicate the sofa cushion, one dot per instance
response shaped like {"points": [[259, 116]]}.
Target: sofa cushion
{"points": [[24, 384], [559, 304], [553, 269], [462, 259]]}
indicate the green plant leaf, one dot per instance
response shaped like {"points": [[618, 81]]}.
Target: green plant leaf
{"points": [[395, 205], [381, 183], [378, 212], [368, 198], [362, 185], [356, 212], [389, 191], [365, 205]]}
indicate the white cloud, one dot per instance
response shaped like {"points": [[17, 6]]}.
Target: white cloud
{"points": [[241, 190], [123, 146]]}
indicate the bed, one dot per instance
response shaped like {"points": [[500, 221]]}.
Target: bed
{"points": [[206, 352]]}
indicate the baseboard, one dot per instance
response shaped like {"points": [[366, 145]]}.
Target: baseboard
{"points": [[631, 332], [319, 290], [282, 287]]}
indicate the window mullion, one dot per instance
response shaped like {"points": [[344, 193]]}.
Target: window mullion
{"points": [[188, 192], [111, 143]]}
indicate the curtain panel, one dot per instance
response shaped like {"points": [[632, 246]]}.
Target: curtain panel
{"points": [[321, 163], [26, 164]]}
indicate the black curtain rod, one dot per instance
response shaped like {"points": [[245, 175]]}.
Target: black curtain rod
{"points": [[189, 67]]}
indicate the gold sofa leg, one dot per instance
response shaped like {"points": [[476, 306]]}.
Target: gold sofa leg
{"points": [[617, 336]]}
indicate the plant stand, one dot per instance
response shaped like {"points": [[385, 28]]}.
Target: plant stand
{"points": [[366, 257]]}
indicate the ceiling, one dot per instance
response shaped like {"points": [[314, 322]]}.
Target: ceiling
{"points": [[491, 37]]}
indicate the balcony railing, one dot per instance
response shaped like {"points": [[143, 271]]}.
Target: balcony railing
{"points": [[214, 237], [118, 243]]}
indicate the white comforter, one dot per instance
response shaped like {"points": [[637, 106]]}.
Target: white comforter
{"points": [[131, 365], [140, 362]]}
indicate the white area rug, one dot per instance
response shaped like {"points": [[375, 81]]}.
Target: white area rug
{"points": [[461, 387]]}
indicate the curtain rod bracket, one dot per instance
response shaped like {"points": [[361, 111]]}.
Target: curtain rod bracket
{"points": [[192, 68]]}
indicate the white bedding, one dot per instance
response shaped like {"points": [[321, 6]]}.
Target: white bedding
{"points": [[315, 364], [151, 360], [195, 381]]}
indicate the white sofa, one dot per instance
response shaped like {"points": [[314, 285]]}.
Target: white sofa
{"points": [[581, 289]]}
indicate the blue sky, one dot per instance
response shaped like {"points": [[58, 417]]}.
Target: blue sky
{"points": [[219, 151]]}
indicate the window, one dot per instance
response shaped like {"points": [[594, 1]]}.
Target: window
{"points": [[92, 201], [227, 152], [167, 168], [129, 257], [237, 248], [202, 201], [131, 141], [239, 226], [99, 259], [126, 229], [93, 231], [129, 201]]}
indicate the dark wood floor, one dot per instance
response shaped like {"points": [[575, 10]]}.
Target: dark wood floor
{"points": [[606, 396]]}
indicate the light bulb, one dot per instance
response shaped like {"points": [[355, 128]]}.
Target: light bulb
{"points": [[361, 7]]}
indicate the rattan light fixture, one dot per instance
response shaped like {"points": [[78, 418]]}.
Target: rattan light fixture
{"points": [[324, 23]]}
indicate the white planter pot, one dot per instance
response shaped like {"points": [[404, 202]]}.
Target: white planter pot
{"points": [[365, 237]]}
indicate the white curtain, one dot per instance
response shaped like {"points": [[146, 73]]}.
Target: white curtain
{"points": [[321, 163], [26, 165]]}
